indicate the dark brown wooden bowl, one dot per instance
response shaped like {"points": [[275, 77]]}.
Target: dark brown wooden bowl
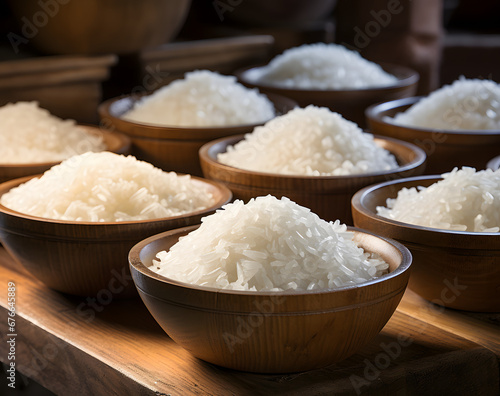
{"points": [[115, 142], [85, 258], [170, 147], [97, 27], [271, 332], [455, 269], [327, 196], [350, 103], [445, 149]]}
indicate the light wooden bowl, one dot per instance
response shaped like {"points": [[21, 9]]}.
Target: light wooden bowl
{"points": [[172, 148], [271, 332], [455, 269], [85, 258], [115, 142], [350, 103], [101, 27], [445, 149], [327, 196]]}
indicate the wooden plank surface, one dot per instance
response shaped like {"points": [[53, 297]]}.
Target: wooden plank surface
{"points": [[118, 349]]}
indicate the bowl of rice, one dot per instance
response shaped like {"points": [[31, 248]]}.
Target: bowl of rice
{"points": [[457, 125], [333, 76], [451, 224], [168, 127], [73, 226], [313, 156], [269, 287], [32, 140]]}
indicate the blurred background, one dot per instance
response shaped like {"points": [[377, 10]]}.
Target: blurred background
{"points": [[72, 54]]}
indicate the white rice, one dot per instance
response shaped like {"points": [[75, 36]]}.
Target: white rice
{"points": [[313, 141], [464, 105], [107, 187], [30, 134], [268, 245], [203, 99], [322, 66], [465, 200]]}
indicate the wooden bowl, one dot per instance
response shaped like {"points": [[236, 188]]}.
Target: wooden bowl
{"points": [[455, 269], [445, 149], [350, 103], [271, 332], [172, 148], [99, 27], [85, 258], [327, 196], [115, 142]]}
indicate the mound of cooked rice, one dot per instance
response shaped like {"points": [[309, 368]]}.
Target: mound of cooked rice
{"points": [[465, 200], [107, 187], [464, 105], [322, 66], [30, 134], [203, 99], [268, 245], [313, 141]]}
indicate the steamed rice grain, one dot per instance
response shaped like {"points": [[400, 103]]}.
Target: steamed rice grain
{"points": [[203, 99], [30, 134], [322, 66], [314, 142], [268, 244], [464, 105], [465, 200], [104, 186]]}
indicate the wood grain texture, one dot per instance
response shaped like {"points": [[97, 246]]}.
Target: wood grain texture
{"points": [[327, 196], [271, 332], [121, 350], [460, 270], [445, 149], [85, 258], [168, 147], [350, 103], [482, 329]]}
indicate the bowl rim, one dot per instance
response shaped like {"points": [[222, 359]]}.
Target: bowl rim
{"points": [[207, 150], [359, 197], [226, 196], [136, 263], [124, 146], [105, 112], [411, 77], [375, 113]]}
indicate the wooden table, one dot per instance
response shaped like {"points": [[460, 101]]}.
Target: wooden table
{"points": [[118, 349]]}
